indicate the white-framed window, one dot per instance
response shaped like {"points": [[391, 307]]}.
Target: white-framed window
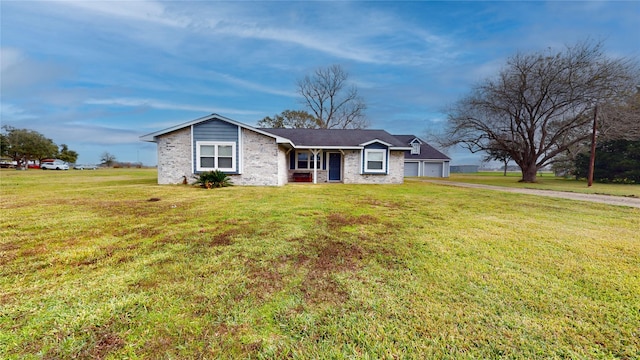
{"points": [[215, 155], [304, 160], [375, 160], [415, 148]]}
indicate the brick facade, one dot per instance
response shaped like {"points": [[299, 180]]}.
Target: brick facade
{"points": [[263, 162], [352, 164], [174, 157]]}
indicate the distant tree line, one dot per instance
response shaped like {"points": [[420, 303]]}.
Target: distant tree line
{"points": [[24, 145]]}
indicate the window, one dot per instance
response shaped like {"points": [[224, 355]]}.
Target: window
{"points": [[375, 160], [215, 156], [304, 160], [415, 148]]}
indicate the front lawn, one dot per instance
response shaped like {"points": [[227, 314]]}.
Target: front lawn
{"points": [[90, 268]]}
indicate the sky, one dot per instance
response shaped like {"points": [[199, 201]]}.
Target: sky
{"points": [[96, 75]]}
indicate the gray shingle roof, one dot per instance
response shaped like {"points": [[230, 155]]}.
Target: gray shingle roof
{"points": [[427, 152], [335, 137]]}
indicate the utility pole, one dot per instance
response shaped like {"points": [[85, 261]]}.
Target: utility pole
{"points": [[592, 159]]}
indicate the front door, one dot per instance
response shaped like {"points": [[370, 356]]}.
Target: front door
{"points": [[335, 166]]}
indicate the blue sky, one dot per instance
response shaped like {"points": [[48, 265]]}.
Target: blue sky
{"points": [[96, 75]]}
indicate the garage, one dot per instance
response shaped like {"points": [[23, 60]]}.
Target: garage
{"points": [[423, 159], [411, 168], [432, 169]]}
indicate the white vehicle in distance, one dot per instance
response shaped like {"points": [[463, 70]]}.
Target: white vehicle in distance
{"points": [[85, 167], [54, 165]]}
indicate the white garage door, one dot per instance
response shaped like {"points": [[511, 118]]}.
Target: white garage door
{"points": [[433, 169], [411, 169]]}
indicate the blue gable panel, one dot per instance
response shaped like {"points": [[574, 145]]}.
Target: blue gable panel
{"points": [[216, 130]]}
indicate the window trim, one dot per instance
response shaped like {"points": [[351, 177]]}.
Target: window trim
{"points": [[217, 144], [384, 161], [309, 161]]}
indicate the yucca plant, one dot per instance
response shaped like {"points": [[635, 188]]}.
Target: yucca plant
{"points": [[214, 179]]}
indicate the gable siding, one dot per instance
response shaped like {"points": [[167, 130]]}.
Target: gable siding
{"points": [[216, 130]]}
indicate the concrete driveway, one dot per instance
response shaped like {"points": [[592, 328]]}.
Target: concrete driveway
{"points": [[604, 199]]}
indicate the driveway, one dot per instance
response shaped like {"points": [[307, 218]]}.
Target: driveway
{"points": [[604, 199]]}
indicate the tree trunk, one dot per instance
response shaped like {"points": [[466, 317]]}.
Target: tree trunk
{"points": [[529, 173], [505, 167]]}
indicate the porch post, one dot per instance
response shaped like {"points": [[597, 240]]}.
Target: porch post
{"points": [[315, 153]]}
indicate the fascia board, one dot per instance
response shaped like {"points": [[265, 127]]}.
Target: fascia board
{"points": [[306, 147], [376, 141]]}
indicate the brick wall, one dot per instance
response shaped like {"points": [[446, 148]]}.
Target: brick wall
{"points": [[174, 157], [352, 163], [261, 161]]}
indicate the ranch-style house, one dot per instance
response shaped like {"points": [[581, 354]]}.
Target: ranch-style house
{"points": [[274, 157]]}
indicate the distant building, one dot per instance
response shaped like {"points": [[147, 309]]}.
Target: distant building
{"points": [[464, 169]]}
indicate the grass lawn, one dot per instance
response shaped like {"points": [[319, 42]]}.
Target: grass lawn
{"points": [[90, 268], [547, 182]]}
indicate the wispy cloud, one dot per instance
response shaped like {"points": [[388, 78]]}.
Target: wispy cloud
{"points": [[164, 105], [139, 10], [10, 112]]}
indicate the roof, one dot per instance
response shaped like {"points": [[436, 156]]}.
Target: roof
{"points": [[338, 138], [304, 138], [152, 137], [427, 152]]}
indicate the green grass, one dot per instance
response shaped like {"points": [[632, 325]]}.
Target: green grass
{"points": [[91, 269], [547, 182]]}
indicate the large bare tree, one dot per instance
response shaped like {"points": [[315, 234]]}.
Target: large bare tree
{"points": [[540, 104], [328, 95], [620, 119]]}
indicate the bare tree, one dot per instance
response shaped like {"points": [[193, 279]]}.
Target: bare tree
{"points": [[329, 97], [107, 158], [540, 104], [497, 153], [620, 120]]}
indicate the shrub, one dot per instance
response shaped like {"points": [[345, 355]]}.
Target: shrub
{"points": [[213, 179], [617, 161]]}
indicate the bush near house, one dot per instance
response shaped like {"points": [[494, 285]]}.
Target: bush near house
{"points": [[213, 179]]}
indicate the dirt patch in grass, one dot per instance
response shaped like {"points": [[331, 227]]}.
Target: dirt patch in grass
{"points": [[102, 341], [207, 237], [381, 203], [339, 220], [263, 281], [225, 237], [320, 284], [106, 342]]}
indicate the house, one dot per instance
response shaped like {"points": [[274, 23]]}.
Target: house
{"points": [[261, 156], [423, 159]]}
